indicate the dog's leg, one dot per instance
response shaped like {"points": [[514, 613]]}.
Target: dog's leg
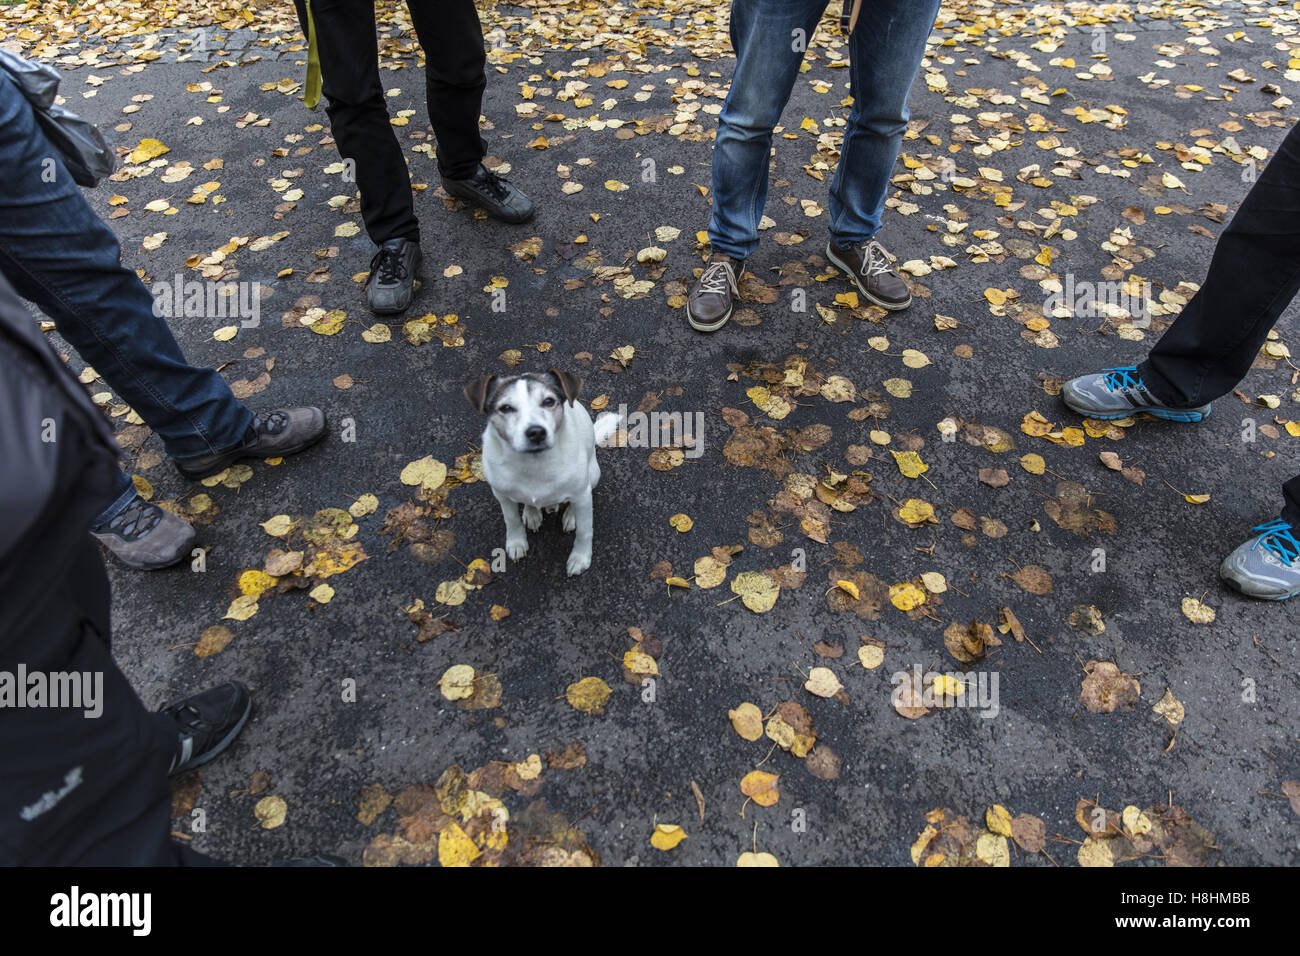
{"points": [[516, 536], [580, 556], [593, 474], [532, 517]]}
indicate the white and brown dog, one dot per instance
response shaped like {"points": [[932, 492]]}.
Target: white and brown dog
{"points": [[539, 451]]}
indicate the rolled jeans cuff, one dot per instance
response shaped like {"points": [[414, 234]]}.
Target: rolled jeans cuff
{"points": [[721, 246], [123, 495]]}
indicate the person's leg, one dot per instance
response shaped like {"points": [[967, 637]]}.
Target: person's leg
{"points": [[354, 101], [85, 785], [123, 494], [1291, 502], [86, 782], [452, 38], [455, 78], [1254, 274], [769, 37], [885, 52], [57, 253]]}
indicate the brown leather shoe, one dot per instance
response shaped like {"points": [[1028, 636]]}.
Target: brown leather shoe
{"points": [[709, 305], [871, 267]]}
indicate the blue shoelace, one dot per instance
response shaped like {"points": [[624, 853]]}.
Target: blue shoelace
{"points": [[1122, 377], [1277, 539]]}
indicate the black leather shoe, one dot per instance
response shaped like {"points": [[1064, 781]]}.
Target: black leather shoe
{"points": [[320, 859], [502, 200], [393, 271], [285, 431], [871, 267]]}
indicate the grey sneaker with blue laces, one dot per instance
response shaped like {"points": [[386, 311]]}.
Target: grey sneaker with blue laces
{"points": [[1267, 566], [1119, 392]]}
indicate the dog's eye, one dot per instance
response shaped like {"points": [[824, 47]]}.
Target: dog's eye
{"points": [[505, 409], [548, 402]]}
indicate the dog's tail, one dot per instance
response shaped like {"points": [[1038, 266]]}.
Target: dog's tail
{"points": [[606, 426]]}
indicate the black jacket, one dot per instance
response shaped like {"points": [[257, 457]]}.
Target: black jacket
{"points": [[58, 465], [73, 789]]}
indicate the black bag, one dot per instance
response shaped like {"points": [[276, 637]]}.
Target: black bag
{"points": [[849, 16], [78, 142]]}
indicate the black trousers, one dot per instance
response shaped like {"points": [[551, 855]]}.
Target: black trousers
{"points": [[1254, 274], [454, 75], [82, 791]]}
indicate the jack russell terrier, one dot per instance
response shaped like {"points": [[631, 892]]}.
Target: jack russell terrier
{"points": [[539, 451]]}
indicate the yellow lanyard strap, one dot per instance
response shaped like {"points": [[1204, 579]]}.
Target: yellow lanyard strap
{"points": [[311, 96]]}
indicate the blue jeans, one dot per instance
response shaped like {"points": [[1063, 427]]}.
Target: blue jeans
{"points": [[58, 254], [884, 53]]}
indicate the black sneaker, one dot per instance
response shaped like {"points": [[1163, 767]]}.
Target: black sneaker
{"points": [[206, 724], [871, 267], [393, 272], [285, 431], [320, 859], [145, 536], [710, 303], [501, 199]]}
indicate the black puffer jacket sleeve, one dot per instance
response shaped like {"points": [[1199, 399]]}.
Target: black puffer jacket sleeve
{"points": [[58, 462]]}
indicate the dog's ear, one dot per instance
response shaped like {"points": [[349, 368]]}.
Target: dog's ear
{"points": [[569, 384], [477, 392]]}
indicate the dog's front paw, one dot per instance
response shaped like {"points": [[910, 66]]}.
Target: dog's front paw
{"points": [[516, 548], [570, 522], [579, 561], [532, 517]]}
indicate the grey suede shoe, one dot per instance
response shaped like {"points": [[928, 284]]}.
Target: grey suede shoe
{"points": [[1267, 566], [711, 302], [393, 271], [1119, 392], [285, 431], [146, 537]]}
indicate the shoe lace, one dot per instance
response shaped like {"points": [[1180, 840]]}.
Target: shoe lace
{"points": [[387, 266], [1122, 377], [495, 184], [136, 519], [1277, 539], [877, 260], [270, 423], [717, 278], [187, 716]]}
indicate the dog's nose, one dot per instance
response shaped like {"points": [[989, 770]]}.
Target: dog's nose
{"points": [[536, 434]]}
